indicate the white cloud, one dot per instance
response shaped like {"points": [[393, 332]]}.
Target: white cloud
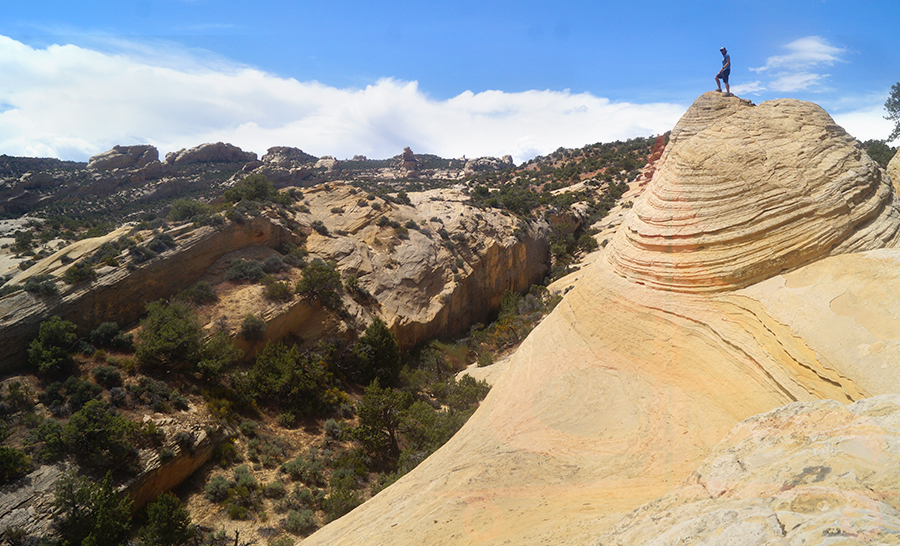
{"points": [[72, 102], [752, 88], [866, 123], [804, 53], [796, 71]]}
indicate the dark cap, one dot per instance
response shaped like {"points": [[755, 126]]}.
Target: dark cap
{"points": [[722, 48]]}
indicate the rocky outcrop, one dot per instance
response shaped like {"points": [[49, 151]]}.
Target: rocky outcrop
{"points": [[811, 473], [210, 153], [488, 164], [120, 295], [759, 191], [408, 162], [124, 157], [328, 163], [287, 157]]}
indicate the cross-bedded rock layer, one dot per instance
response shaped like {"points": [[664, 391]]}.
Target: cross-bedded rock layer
{"points": [[746, 192]]}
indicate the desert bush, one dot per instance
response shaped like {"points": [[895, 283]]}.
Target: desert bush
{"points": [[188, 209], [90, 513], [50, 352], [42, 285], [13, 464], [273, 264], [319, 227], [255, 187], [300, 522], [274, 490], [108, 336], [99, 435], [283, 378], [170, 336], [377, 355], [201, 292], [253, 328], [245, 270], [168, 523], [279, 291], [321, 282], [218, 356], [79, 272]]}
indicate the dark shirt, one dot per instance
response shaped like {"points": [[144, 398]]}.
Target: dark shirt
{"points": [[726, 61]]}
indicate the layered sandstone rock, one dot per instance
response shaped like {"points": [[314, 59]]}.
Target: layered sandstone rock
{"points": [[893, 170], [810, 473], [758, 191], [124, 157], [219, 152]]}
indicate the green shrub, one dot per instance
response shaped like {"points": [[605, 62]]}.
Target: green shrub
{"points": [[13, 464], [42, 285], [245, 270], [168, 523], [80, 392], [99, 435], [274, 490], [90, 513], [108, 336], [377, 355], [201, 292], [321, 282], [255, 187], [218, 356], [216, 489], [319, 227], [79, 272], [188, 209], [300, 522], [50, 352], [253, 328], [273, 264], [170, 336], [283, 378], [279, 291]]}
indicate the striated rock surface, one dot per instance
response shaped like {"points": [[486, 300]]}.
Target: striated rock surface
{"points": [[700, 316], [488, 164], [210, 153], [125, 157], [811, 473], [758, 191], [893, 171]]}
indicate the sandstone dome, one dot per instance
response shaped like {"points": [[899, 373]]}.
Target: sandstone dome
{"points": [[746, 192]]}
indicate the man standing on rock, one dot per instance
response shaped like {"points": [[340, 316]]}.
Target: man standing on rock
{"points": [[726, 70]]}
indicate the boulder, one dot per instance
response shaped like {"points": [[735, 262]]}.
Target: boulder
{"points": [[759, 191], [125, 157], [328, 163], [210, 153], [408, 161]]}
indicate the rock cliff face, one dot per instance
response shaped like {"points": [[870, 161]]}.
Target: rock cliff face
{"points": [[656, 354], [120, 295]]}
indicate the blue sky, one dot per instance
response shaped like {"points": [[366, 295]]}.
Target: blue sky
{"points": [[450, 78]]}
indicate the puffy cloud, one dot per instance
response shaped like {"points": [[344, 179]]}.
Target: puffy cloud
{"points": [[72, 102]]}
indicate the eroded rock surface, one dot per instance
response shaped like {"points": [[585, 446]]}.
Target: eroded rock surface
{"points": [[218, 152], [809, 473], [125, 157], [655, 354]]}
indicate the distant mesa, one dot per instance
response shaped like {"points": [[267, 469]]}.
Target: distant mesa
{"points": [[210, 153], [746, 192], [124, 157]]}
